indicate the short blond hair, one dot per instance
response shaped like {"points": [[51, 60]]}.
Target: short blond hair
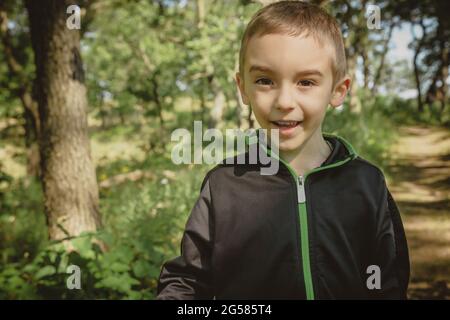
{"points": [[296, 18]]}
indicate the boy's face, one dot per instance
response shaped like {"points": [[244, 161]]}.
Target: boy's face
{"points": [[294, 83]]}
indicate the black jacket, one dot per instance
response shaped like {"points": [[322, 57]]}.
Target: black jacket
{"points": [[253, 236]]}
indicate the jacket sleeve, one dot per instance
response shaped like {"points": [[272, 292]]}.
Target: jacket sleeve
{"points": [[188, 276], [391, 251]]}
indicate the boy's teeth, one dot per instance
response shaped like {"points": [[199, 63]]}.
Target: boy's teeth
{"points": [[286, 123]]}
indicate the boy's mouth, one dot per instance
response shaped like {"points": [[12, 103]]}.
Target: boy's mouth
{"points": [[286, 128], [286, 123]]}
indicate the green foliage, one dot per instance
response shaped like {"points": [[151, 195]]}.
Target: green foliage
{"points": [[10, 83], [370, 132], [405, 112], [22, 222], [143, 225]]}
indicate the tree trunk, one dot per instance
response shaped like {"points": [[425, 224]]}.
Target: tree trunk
{"points": [[417, 80], [217, 110], [354, 40], [443, 72], [200, 6], [366, 71], [32, 133], [157, 98], [202, 100], [417, 72], [355, 102], [68, 173], [380, 68]]}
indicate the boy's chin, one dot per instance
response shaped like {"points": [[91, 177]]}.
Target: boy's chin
{"points": [[289, 145]]}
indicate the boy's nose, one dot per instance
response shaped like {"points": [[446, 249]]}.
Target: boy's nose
{"points": [[285, 100]]}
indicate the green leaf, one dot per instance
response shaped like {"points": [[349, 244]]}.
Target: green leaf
{"points": [[141, 268], [84, 247], [118, 267], [44, 272]]}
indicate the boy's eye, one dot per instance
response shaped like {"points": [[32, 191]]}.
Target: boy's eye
{"points": [[263, 81], [307, 83], [304, 83]]}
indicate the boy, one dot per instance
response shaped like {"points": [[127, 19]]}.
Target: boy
{"points": [[325, 225]]}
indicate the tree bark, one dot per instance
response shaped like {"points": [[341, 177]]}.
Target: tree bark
{"points": [[417, 51], [380, 68], [443, 72], [157, 98], [68, 173], [219, 105], [355, 103], [366, 71], [32, 133], [352, 42], [417, 80]]}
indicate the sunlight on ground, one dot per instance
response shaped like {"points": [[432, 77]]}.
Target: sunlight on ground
{"points": [[420, 185], [108, 151], [8, 162]]}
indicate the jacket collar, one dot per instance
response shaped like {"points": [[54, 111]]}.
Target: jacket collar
{"points": [[342, 149]]}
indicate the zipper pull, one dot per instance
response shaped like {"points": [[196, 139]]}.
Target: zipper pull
{"points": [[300, 190]]}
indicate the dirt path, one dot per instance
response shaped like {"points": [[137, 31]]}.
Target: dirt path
{"points": [[420, 184]]}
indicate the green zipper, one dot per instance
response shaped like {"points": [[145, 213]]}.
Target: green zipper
{"points": [[303, 214]]}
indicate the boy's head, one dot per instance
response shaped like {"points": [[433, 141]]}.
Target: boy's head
{"points": [[291, 67]]}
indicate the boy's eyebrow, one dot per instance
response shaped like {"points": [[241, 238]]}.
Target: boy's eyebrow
{"points": [[303, 72]]}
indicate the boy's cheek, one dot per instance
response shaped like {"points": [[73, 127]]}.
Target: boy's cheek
{"points": [[316, 104], [262, 118], [314, 116], [261, 111]]}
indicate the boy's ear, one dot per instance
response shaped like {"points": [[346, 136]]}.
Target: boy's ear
{"points": [[340, 91], [240, 83]]}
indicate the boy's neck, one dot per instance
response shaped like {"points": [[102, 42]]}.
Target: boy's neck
{"points": [[310, 155]]}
